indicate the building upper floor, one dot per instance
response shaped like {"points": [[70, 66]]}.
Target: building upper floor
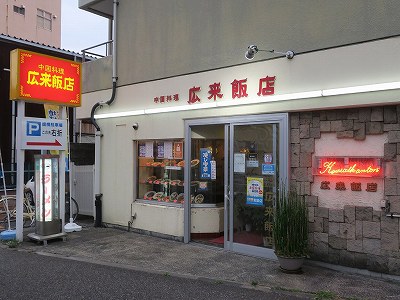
{"points": [[162, 39], [33, 20]]}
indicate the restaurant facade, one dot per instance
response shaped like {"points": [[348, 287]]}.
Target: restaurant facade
{"points": [[200, 156]]}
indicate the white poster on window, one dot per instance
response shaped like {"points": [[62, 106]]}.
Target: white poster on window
{"points": [[149, 149], [142, 150], [213, 170], [168, 153], [239, 163]]}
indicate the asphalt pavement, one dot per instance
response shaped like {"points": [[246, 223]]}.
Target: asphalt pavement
{"points": [[119, 248], [47, 277]]}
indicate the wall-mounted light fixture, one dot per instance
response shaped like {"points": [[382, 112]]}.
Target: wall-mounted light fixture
{"points": [[253, 49]]}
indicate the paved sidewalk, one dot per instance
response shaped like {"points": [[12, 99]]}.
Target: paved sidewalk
{"points": [[116, 247]]}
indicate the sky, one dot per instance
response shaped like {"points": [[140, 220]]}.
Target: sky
{"points": [[81, 29]]}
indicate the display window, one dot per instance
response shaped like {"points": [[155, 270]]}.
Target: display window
{"points": [[161, 172]]}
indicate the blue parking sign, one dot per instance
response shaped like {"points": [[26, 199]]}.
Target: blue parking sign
{"points": [[33, 128], [42, 134]]}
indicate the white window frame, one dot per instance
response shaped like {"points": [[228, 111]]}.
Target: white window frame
{"points": [[44, 18]]}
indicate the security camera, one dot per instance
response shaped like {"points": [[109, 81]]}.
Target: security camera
{"points": [[135, 126], [251, 51]]}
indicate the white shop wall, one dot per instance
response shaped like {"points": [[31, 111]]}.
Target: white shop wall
{"points": [[117, 173], [118, 184], [353, 65]]}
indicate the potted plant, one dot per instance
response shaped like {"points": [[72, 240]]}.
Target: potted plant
{"points": [[290, 230], [251, 216]]}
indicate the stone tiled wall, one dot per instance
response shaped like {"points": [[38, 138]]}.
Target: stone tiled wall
{"points": [[354, 236]]}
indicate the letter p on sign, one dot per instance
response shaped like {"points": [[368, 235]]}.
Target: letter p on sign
{"points": [[33, 128]]}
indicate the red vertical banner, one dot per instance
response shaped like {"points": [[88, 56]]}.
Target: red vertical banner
{"points": [[178, 150]]}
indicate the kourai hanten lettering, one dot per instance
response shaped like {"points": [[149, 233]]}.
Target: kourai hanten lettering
{"points": [[266, 87], [355, 186], [331, 168], [51, 81]]}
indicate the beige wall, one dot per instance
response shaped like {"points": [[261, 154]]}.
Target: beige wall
{"points": [[25, 27], [158, 39], [97, 74]]}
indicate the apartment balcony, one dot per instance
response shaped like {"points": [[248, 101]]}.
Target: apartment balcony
{"points": [[97, 68], [99, 7]]}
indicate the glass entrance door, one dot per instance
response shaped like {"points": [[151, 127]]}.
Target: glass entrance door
{"points": [[206, 191], [254, 174], [250, 159]]}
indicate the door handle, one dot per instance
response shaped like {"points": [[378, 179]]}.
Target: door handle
{"points": [[227, 193]]}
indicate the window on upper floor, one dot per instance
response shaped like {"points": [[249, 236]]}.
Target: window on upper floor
{"points": [[44, 19], [19, 10]]}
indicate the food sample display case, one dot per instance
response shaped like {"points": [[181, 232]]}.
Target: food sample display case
{"points": [[160, 195]]}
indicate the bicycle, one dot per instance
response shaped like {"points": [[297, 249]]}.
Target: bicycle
{"points": [[9, 211], [5, 213], [29, 215], [28, 194]]}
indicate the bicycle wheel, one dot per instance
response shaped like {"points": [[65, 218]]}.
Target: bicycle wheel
{"points": [[29, 214], [3, 222], [28, 194], [12, 212], [75, 209]]}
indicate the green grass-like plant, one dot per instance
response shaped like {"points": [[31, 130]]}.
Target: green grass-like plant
{"points": [[12, 243], [254, 283], [290, 225], [325, 295]]}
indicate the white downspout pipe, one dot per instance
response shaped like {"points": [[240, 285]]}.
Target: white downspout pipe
{"points": [[97, 169]]}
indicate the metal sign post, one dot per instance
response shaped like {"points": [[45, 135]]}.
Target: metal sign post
{"points": [[39, 134], [63, 115], [40, 78], [20, 177]]}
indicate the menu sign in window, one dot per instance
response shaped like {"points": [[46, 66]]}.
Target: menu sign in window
{"points": [[205, 163]]}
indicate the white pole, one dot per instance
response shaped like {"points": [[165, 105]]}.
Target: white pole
{"points": [[80, 131], [70, 226], [20, 153], [62, 174], [13, 108], [97, 170]]}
